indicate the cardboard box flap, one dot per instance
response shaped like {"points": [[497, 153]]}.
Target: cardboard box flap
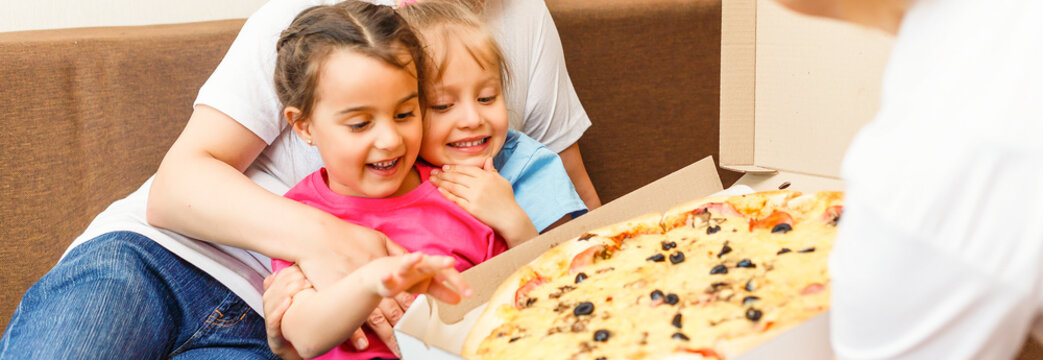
{"points": [[790, 180], [794, 89], [689, 183]]}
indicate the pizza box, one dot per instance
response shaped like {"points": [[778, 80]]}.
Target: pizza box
{"points": [[794, 91], [434, 330]]}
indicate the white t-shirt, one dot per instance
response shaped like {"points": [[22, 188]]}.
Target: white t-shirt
{"points": [[541, 98], [940, 251]]}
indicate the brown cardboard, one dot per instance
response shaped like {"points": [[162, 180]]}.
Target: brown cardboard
{"points": [[794, 89]]}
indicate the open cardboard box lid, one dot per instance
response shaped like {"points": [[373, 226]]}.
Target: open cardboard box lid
{"points": [[794, 90]]}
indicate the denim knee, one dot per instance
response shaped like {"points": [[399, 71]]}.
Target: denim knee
{"points": [[103, 298]]}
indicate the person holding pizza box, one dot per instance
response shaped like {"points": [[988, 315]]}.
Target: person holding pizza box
{"points": [[940, 251]]}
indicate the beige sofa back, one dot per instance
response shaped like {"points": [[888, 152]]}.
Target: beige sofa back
{"points": [[88, 114]]}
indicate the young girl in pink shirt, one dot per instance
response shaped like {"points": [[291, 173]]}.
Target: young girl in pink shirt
{"points": [[348, 76]]}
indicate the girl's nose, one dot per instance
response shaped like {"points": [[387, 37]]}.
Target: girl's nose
{"points": [[388, 137], [469, 117]]}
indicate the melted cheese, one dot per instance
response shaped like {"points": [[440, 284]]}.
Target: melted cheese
{"points": [[712, 308]]}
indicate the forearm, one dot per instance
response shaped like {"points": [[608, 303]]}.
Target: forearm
{"points": [[200, 191], [217, 204], [573, 161], [515, 228], [320, 320]]}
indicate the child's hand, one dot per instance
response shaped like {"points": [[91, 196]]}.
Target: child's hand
{"points": [[279, 289], [418, 273], [487, 196]]}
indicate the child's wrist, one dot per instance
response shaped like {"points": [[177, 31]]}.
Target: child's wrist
{"points": [[519, 228]]}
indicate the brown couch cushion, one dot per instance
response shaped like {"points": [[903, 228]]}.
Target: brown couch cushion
{"points": [[89, 113], [648, 75]]}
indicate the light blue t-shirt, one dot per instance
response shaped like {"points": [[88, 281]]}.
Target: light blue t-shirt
{"points": [[541, 186]]}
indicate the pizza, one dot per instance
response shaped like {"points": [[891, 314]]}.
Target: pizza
{"points": [[713, 277]]}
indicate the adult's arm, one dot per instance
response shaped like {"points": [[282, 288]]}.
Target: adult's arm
{"points": [[200, 191], [573, 161], [551, 111]]}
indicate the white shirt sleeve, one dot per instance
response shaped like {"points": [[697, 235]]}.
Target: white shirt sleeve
{"points": [[541, 96], [242, 86], [940, 249]]}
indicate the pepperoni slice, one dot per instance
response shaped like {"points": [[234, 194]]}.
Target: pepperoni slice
{"points": [[719, 208], [587, 258], [704, 352], [771, 221], [520, 294], [811, 289], [832, 214]]}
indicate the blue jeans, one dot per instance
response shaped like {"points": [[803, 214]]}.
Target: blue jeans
{"points": [[123, 296]]}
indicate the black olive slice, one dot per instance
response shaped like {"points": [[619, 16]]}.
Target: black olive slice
{"points": [[724, 250], [672, 299], [584, 308], [676, 257], [753, 314], [713, 229], [781, 228], [719, 269], [657, 294], [580, 277]]}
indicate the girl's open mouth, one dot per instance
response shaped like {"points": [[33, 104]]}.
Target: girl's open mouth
{"points": [[383, 165], [469, 143]]}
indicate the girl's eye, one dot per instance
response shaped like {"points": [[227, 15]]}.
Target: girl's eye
{"points": [[403, 116], [487, 99], [442, 107], [358, 126]]}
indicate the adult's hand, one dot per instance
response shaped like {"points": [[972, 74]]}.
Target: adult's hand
{"points": [[278, 296], [355, 246]]}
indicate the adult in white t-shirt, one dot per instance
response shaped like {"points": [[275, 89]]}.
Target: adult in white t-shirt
{"points": [[129, 289], [940, 252]]}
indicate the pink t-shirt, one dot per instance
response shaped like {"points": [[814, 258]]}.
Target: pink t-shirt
{"points": [[421, 220]]}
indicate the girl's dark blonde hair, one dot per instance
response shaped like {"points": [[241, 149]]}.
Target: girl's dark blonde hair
{"points": [[372, 30], [449, 19]]}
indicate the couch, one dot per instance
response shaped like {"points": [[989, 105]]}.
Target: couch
{"points": [[89, 113]]}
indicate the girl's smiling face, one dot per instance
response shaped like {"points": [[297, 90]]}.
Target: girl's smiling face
{"points": [[366, 124], [466, 118]]}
